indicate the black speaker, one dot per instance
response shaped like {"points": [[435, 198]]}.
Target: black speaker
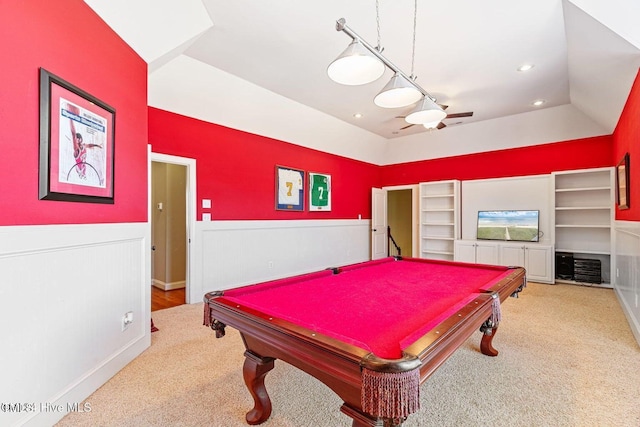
{"points": [[564, 265]]}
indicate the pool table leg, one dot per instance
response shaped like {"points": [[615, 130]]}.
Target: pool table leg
{"points": [[254, 370], [362, 420], [488, 332]]}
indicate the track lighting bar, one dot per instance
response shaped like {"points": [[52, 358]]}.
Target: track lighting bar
{"points": [[341, 25]]}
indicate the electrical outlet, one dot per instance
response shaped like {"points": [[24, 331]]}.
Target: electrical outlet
{"points": [[270, 264], [127, 319]]}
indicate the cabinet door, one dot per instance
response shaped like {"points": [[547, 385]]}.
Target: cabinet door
{"points": [[464, 251], [512, 255], [487, 253], [538, 263]]}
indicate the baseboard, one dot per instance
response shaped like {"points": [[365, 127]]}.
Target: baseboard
{"points": [[73, 397], [169, 286], [633, 322]]}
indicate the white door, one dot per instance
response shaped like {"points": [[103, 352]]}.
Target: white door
{"points": [[378, 223]]}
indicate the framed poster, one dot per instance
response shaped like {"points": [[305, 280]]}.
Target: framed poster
{"points": [[76, 143], [319, 192], [622, 183], [289, 189]]}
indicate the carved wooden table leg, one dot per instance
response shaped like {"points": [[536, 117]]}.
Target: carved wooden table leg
{"points": [[486, 347], [254, 370]]}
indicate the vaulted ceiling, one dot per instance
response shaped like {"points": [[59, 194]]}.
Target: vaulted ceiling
{"points": [[467, 55]]}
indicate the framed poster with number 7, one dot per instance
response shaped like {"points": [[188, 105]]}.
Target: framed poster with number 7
{"points": [[319, 192], [289, 189]]}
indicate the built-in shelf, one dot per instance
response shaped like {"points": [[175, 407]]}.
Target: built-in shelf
{"points": [[439, 218], [582, 226], [584, 215], [562, 190]]}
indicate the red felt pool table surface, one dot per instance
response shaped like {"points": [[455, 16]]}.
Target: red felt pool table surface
{"points": [[381, 306], [367, 330]]}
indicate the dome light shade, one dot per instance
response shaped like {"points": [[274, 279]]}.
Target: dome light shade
{"points": [[426, 111], [355, 66], [397, 93]]}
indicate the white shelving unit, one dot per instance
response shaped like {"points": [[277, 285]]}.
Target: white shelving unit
{"points": [[439, 218], [584, 216]]}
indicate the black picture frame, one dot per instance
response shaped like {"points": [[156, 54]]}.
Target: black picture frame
{"points": [[77, 144], [622, 183]]}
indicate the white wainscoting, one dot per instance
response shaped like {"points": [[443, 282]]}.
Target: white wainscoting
{"points": [[235, 253], [627, 282], [65, 289]]}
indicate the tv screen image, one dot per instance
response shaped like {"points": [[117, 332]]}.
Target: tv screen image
{"points": [[513, 225]]}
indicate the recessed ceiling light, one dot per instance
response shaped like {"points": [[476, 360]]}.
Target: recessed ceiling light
{"points": [[357, 115], [538, 102], [525, 67]]}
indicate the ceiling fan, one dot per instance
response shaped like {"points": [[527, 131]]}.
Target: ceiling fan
{"points": [[441, 124]]}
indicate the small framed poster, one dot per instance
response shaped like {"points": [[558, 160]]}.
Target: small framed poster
{"points": [[319, 192], [289, 189]]}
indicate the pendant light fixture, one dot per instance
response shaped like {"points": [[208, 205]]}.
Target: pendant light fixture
{"points": [[355, 66], [401, 90]]}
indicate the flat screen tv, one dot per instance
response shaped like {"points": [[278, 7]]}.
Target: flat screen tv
{"points": [[513, 225]]}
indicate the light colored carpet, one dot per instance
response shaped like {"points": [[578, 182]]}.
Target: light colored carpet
{"points": [[567, 358]]}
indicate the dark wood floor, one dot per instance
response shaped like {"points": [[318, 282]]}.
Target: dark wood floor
{"points": [[164, 299]]}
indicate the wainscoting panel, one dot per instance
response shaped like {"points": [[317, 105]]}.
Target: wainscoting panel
{"points": [[64, 294], [235, 253], [627, 284]]}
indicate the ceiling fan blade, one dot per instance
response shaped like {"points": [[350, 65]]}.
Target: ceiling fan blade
{"points": [[407, 127], [458, 115], [441, 125], [444, 107]]}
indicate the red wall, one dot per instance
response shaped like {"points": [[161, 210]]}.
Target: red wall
{"points": [[71, 41], [236, 170], [534, 160], [626, 139]]}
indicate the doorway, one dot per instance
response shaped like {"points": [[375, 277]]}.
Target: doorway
{"points": [[171, 216], [395, 209], [400, 214]]}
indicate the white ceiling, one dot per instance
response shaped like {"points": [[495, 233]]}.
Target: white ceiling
{"points": [[467, 52]]}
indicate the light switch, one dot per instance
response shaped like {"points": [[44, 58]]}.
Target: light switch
{"points": [[206, 217], [206, 203]]}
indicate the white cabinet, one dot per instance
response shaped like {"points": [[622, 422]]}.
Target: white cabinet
{"points": [[476, 251], [584, 215], [536, 259], [439, 218]]}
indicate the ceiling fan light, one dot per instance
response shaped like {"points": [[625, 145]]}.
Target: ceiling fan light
{"points": [[431, 125], [399, 92], [355, 66], [427, 111]]}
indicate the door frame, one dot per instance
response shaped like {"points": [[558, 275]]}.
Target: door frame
{"points": [[190, 206], [415, 213], [378, 225]]}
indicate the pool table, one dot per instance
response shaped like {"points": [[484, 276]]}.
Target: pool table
{"points": [[372, 332]]}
